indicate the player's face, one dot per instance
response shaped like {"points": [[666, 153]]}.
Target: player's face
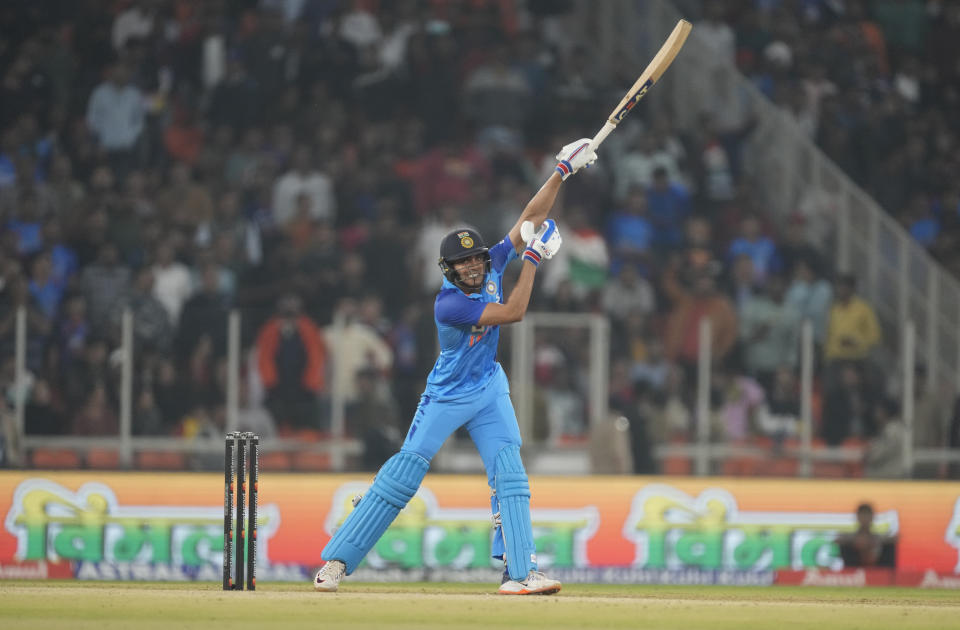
{"points": [[471, 270]]}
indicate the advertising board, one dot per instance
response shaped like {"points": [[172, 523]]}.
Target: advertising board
{"points": [[98, 525]]}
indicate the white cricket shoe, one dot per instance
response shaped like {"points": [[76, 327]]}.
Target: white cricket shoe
{"points": [[329, 576], [535, 584]]}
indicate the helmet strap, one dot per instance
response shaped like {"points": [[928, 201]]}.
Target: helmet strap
{"points": [[459, 283]]}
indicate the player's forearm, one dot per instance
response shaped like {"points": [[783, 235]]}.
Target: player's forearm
{"points": [[539, 206], [515, 307], [519, 298], [537, 209]]}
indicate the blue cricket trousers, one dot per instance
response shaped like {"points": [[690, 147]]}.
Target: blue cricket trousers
{"points": [[488, 416]]}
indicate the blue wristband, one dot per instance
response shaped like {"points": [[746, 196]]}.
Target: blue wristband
{"points": [[563, 167]]}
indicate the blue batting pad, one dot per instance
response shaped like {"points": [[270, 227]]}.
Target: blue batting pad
{"points": [[392, 489], [513, 494], [497, 549]]}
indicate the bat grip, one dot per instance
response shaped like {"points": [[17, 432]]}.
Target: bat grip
{"points": [[601, 135]]}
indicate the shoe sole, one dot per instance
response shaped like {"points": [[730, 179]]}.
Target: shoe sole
{"points": [[548, 590], [323, 588]]}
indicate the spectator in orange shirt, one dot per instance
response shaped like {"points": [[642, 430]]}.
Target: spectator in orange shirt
{"points": [[183, 139], [690, 307], [291, 356]]}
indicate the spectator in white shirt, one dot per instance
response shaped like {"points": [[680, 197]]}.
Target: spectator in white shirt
{"points": [[303, 178], [434, 229], [172, 282], [115, 112], [137, 21], [360, 27], [630, 293], [638, 164], [354, 346]]}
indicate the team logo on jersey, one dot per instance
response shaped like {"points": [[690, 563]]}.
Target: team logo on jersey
{"points": [[465, 241], [492, 287]]}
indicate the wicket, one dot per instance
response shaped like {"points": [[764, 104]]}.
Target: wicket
{"points": [[241, 466]]}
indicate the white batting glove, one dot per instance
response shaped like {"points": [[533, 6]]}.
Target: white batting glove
{"points": [[543, 244], [575, 156]]}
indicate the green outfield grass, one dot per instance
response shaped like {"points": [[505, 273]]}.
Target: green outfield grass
{"points": [[53, 605]]}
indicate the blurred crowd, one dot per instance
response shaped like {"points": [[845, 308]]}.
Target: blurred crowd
{"points": [[886, 114], [300, 160]]}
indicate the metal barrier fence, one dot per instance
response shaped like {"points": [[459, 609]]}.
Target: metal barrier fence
{"points": [[704, 449], [337, 445]]}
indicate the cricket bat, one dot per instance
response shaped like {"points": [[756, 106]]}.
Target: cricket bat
{"points": [[651, 75]]}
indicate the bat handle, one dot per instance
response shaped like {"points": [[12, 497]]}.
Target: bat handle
{"points": [[601, 135]]}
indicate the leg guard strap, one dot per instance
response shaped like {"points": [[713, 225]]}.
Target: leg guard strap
{"points": [[497, 550], [392, 489], [513, 496]]}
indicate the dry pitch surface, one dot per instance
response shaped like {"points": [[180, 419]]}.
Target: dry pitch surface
{"points": [[54, 605]]}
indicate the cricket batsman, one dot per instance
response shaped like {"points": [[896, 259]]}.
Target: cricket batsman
{"points": [[467, 387]]}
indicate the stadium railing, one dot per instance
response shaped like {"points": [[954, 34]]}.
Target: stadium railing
{"points": [[702, 451], [332, 451]]}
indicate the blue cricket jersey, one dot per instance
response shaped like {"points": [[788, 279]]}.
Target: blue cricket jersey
{"points": [[468, 352]]}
